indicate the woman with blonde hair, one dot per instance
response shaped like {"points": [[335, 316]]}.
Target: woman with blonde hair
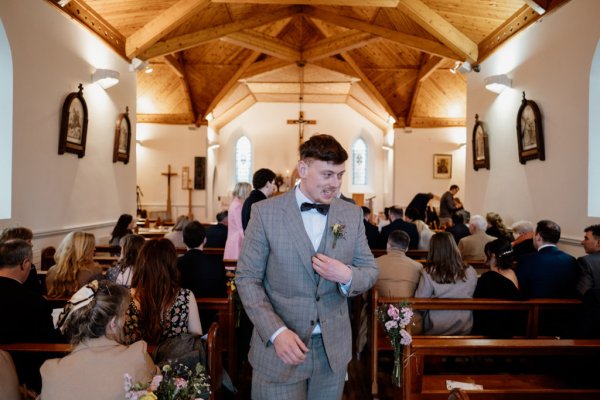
{"points": [[496, 227], [75, 265], [235, 230], [446, 276], [160, 308], [176, 234]]}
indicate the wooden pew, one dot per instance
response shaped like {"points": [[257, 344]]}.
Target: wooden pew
{"points": [[379, 342], [214, 351], [418, 385]]}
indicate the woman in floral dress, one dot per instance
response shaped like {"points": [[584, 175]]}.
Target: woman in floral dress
{"points": [[159, 308]]}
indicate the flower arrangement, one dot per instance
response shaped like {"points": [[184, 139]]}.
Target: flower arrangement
{"points": [[395, 319], [338, 230], [172, 383]]}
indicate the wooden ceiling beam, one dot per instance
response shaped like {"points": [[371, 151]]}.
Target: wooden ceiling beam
{"points": [[349, 3], [411, 41], [263, 43], [194, 39], [337, 44], [176, 64], [366, 112], [441, 29], [267, 65], [431, 64], [161, 25], [171, 119], [233, 112]]}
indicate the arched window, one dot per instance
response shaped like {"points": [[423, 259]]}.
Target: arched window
{"points": [[243, 160], [359, 162], [6, 129]]}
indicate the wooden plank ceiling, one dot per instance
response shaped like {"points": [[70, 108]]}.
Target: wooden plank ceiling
{"points": [[384, 58]]}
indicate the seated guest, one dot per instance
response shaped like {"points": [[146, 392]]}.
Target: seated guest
{"points": [[32, 282], [93, 321], [216, 235], [425, 234], [385, 220], [458, 229], [420, 203], [589, 265], [263, 182], [496, 227], [549, 272], [176, 234], [370, 230], [523, 233], [398, 274], [460, 209], [25, 316], [124, 226], [471, 247], [75, 265], [160, 308], [123, 271], [201, 273], [8, 378], [500, 282], [397, 223], [445, 276]]}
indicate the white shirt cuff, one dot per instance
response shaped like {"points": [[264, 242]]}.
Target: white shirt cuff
{"points": [[277, 332]]}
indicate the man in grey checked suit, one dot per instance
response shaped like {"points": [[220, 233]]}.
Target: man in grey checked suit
{"points": [[294, 276]]}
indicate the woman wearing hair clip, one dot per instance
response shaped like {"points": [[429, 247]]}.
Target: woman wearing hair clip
{"points": [[93, 321], [160, 308], [500, 282]]}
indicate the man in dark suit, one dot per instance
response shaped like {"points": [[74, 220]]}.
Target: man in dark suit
{"points": [[549, 272], [397, 223], [371, 230], [589, 265], [202, 273], [216, 235], [263, 182], [458, 229]]}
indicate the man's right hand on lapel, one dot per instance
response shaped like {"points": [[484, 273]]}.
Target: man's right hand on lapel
{"points": [[290, 348]]}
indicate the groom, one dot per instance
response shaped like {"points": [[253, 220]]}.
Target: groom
{"points": [[304, 253]]}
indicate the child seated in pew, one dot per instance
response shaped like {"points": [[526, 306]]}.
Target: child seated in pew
{"points": [[93, 320], [446, 276], [122, 272]]}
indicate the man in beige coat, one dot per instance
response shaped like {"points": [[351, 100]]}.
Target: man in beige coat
{"points": [[471, 247], [398, 274]]}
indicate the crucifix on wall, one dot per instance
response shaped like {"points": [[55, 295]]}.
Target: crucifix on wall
{"points": [[301, 122], [169, 174]]}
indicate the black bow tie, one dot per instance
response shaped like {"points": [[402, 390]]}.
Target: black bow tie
{"points": [[321, 208]]}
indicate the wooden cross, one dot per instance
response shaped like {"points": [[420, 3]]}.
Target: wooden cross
{"points": [[301, 122], [169, 174]]}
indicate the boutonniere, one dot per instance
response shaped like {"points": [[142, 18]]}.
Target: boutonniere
{"points": [[338, 230]]}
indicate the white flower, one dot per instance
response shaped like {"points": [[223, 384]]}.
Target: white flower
{"points": [[391, 325], [405, 339]]}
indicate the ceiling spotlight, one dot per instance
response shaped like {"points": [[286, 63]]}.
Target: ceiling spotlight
{"points": [[138, 64], [105, 77], [391, 120], [63, 3], [455, 67], [148, 69], [497, 83], [209, 117]]}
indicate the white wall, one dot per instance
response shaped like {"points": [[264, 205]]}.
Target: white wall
{"points": [[53, 194], [551, 62], [177, 145], [413, 163], [6, 95]]}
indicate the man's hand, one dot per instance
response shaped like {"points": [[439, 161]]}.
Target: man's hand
{"points": [[290, 348], [331, 269]]}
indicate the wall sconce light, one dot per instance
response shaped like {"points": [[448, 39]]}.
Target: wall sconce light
{"points": [[497, 83], [105, 77], [387, 147]]}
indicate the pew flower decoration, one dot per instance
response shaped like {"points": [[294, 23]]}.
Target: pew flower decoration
{"points": [[172, 383], [395, 319], [338, 230]]}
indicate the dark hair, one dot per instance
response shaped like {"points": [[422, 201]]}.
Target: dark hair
{"points": [[548, 230], [413, 214], [156, 282], [18, 232], [130, 249], [396, 212], [366, 211], [324, 148], [222, 215], [194, 234], [399, 239], [262, 177], [452, 187], [444, 262], [595, 229], [386, 212], [90, 321], [458, 218], [502, 250], [13, 252], [120, 228]]}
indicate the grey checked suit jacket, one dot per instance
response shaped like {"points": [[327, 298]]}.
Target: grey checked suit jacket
{"points": [[278, 286]]}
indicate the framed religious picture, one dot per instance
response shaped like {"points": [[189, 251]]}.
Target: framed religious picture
{"points": [[442, 166], [73, 124], [530, 135], [481, 151], [122, 145]]}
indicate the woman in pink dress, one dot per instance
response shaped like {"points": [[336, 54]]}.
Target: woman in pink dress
{"points": [[235, 231]]}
